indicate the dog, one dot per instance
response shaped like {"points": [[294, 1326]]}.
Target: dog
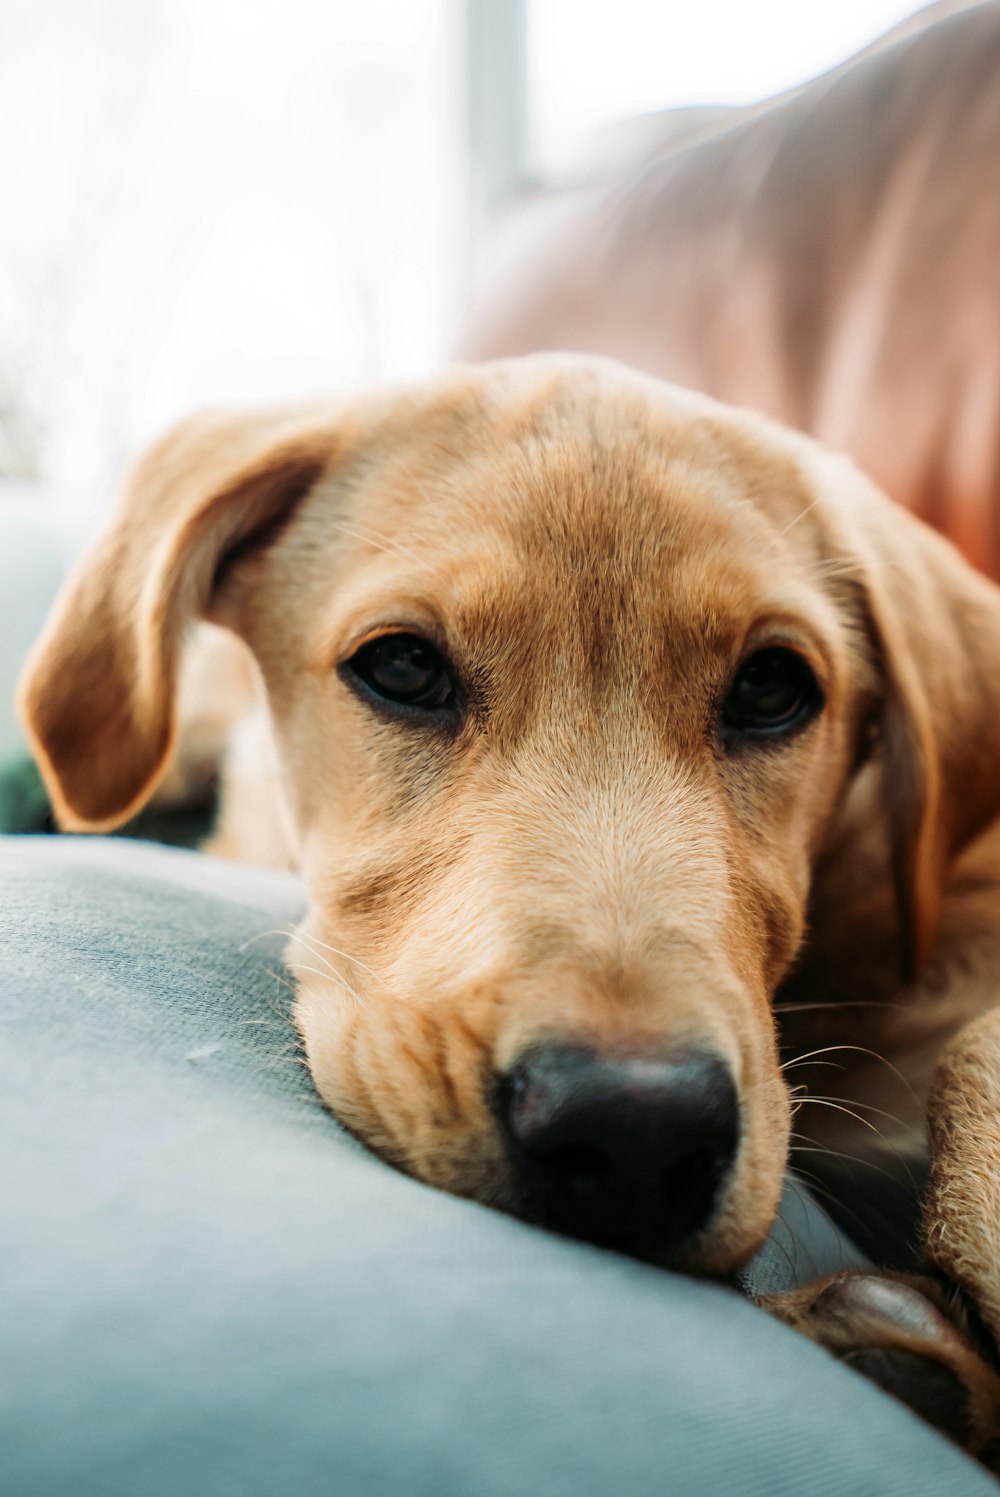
{"points": [[626, 742]]}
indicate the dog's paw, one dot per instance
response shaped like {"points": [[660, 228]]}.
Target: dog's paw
{"points": [[904, 1334]]}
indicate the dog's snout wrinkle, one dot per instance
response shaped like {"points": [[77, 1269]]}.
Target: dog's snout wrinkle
{"points": [[626, 1151]]}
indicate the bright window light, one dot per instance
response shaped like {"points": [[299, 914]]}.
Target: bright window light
{"points": [[592, 62]]}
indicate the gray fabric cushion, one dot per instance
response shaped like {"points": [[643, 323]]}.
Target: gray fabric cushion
{"points": [[206, 1288]]}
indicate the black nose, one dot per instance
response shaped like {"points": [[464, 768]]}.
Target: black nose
{"points": [[628, 1152]]}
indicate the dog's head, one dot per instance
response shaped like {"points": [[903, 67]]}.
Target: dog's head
{"points": [[569, 673]]}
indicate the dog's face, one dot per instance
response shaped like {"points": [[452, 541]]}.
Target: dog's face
{"points": [[567, 694], [564, 717]]}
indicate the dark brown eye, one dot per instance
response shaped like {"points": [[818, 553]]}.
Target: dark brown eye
{"points": [[404, 669], [774, 692]]}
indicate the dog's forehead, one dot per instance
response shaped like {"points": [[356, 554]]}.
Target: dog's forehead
{"points": [[588, 483]]}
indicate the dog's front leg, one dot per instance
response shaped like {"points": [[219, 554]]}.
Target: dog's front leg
{"points": [[962, 1212], [933, 1341]]}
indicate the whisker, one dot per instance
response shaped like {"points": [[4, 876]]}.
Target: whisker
{"points": [[815, 1186], [382, 543], [858, 1159], [832, 1065], [331, 967], [794, 521], [847, 564], [862, 1050], [823, 1050], [797, 1246], [886, 1148], [799, 1008], [283, 982], [789, 1257], [328, 966], [868, 1107], [286, 931], [334, 981], [312, 945], [337, 952], [837, 1107]]}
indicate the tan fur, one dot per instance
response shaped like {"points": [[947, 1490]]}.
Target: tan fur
{"points": [[963, 1207], [218, 686], [583, 859]]}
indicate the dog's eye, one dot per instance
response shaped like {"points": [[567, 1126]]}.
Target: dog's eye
{"points": [[774, 692], [405, 669]]}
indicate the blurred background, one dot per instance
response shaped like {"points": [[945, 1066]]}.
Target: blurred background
{"points": [[229, 201], [233, 200]]}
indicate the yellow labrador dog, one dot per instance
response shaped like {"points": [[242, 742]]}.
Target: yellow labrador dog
{"points": [[605, 719]]}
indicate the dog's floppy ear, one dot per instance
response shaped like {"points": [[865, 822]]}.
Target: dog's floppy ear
{"points": [[97, 694], [935, 625]]}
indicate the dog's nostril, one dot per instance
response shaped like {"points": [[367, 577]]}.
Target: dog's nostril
{"points": [[576, 1159], [690, 1174], [624, 1150]]}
